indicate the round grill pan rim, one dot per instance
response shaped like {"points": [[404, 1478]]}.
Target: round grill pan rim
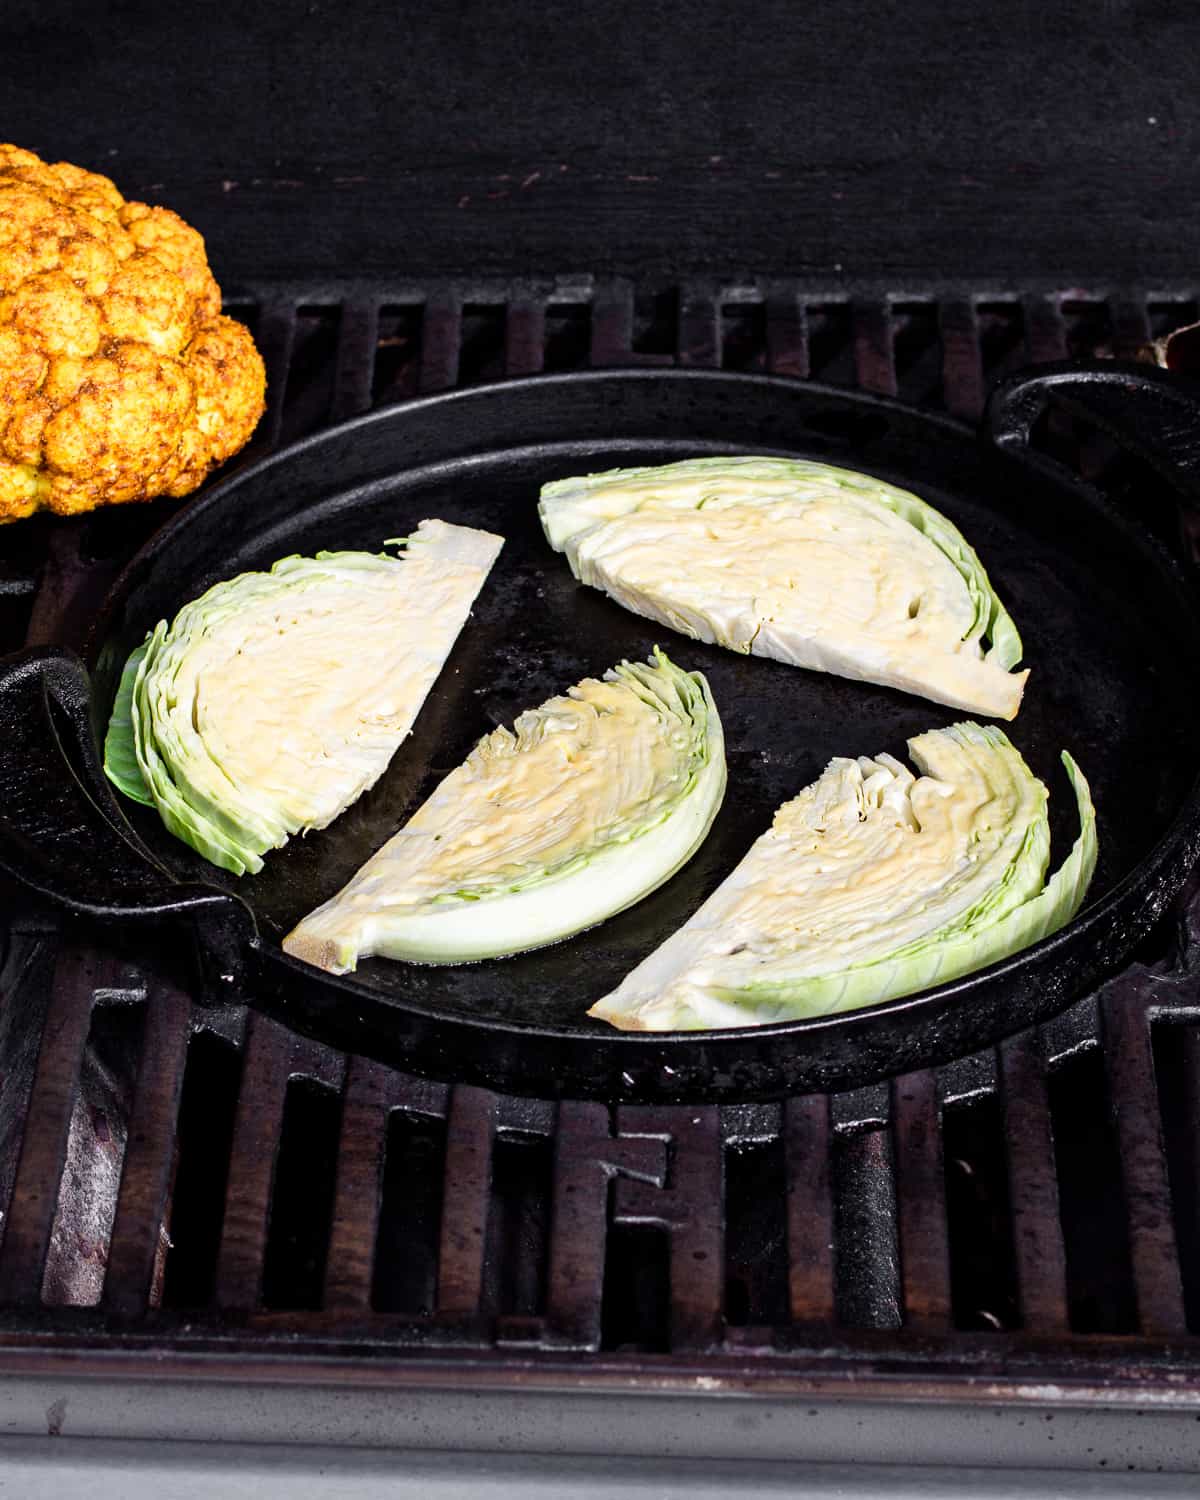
{"points": [[1184, 830]]}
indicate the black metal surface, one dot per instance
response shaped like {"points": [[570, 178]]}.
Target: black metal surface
{"points": [[1110, 632], [992, 142], [1044, 1275]]}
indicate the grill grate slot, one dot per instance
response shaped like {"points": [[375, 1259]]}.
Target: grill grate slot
{"points": [[518, 1225], [312, 372], [744, 336], [756, 1264], [1089, 327], [1099, 1276], [1130, 326], [1003, 339], [831, 343], [302, 1201], [331, 1192], [406, 1249], [983, 1278], [569, 334], [917, 353], [397, 354], [16, 606], [1165, 317], [637, 1285], [205, 1138], [655, 325], [1177, 1070], [483, 340]]}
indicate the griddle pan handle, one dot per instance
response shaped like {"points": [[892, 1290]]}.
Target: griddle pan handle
{"points": [[1149, 412], [58, 837]]}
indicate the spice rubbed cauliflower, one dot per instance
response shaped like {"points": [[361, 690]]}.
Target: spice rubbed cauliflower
{"points": [[119, 377]]}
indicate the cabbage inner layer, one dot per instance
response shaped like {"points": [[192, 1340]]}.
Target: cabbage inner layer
{"points": [[818, 566], [276, 699], [872, 883], [584, 806]]}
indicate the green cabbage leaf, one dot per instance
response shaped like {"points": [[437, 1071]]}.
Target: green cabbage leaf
{"points": [[273, 701], [818, 566], [579, 810], [871, 884]]}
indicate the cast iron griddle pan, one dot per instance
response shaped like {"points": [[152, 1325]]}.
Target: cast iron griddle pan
{"points": [[1108, 618]]}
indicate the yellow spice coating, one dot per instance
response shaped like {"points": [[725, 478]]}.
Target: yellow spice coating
{"points": [[119, 377]]}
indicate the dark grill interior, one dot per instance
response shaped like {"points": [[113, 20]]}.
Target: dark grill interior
{"points": [[201, 1179]]}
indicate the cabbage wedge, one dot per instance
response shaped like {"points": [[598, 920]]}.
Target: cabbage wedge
{"points": [[274, 700], [871, 884], [582, 808], [818, 566]]}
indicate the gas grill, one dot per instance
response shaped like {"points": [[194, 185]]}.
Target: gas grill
{"points": [[214, 1229]]}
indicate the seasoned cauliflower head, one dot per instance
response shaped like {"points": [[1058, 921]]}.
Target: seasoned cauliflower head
{"points": [[119, 377]]}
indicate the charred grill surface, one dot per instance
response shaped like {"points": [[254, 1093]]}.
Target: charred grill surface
{"points": [[195, 1180]]}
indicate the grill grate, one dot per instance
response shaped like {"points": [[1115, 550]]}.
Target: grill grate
{"points": [[1022, 1210]]}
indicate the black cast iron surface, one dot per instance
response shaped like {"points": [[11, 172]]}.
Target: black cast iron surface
{"points": [[185, 1187], [979, 141], [1110, 632]]}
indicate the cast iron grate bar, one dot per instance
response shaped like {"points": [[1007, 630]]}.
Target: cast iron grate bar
{"points": [[441, 342], [1045, 330], [1130, 325], [699, 325], [275, 336], [136, 1249], [612, 324], [272, 1057], [525, 335], [30, 1218], [1033, 1186], [921, 1199], [687, 1209], [587, 1158], [874, 350], [868, 1288], [358, 339], [1126, 1007], [861, 1215], [372, 1095], [963, 388], [470, 1137], [787, 332], [808, 1145]]}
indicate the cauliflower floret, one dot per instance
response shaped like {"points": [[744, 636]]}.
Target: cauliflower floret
{"points": [[119, 377]]}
